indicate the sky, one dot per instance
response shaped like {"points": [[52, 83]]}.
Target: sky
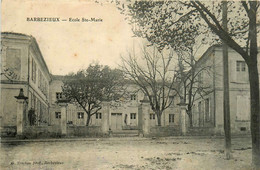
{"points": [[70, 46]]}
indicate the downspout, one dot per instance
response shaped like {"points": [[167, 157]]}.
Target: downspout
{"points": [[28, 79], [214, 86]]}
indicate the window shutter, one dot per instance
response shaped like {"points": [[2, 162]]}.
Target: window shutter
{"points": [[243, 108], [238, 113], [232, 71], [248, 108]]}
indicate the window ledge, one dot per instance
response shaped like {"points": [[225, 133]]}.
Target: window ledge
{"points": [[242, 120], [239, 82]]}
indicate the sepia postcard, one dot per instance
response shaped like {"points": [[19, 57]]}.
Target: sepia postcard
{"points": [[92, 84]]}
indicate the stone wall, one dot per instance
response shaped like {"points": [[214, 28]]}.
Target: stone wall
{"points": [[159, 131], [83, 131], [55, 131], [42, 132], [8, 131]]}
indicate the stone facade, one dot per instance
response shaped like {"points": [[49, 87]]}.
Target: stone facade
{"points": [[122, 115], [208, 108], [23, 66]]}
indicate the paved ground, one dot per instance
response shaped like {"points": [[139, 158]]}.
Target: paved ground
{"points": [[125, 153]]}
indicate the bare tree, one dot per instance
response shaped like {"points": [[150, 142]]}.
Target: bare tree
{"points": [[187, 76], [154, 77], [164, 23]]}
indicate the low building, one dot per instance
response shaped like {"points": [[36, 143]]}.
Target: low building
{"points": [[122, 114]]}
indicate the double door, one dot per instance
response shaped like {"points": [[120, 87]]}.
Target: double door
{"points": [[116, 121]]}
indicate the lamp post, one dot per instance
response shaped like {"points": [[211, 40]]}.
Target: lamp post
{"points": [[21, 99]]}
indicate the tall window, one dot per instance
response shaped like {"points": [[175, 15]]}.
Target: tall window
{"points": [[241, 72], [39, 79], [58, 115], [200, 78], [207, 110], [33, 71], [80, 115], [243, 108], [199, 107], [171, 118], [132, 115], [98, 116]]}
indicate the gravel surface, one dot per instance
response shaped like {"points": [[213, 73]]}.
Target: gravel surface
{"points": [[126, 153]]}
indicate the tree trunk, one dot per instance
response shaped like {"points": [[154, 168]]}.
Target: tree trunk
{"points": [[159, 116], [189, 113], [226, 103], [255, 115], [254, 85], [88, 119]]}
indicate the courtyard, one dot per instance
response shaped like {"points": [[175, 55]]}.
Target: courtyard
{"points": [[125, 153]]}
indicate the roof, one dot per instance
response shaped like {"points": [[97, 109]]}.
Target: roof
{"points": [[212, 48]]}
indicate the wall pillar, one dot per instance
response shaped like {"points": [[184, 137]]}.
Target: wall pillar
{"points": [[20, 118], [105, 117], [143, 111], [63, 123], [183, 125], [20, 115]]}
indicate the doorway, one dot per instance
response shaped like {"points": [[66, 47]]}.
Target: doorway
{"points": [[116, 121]]}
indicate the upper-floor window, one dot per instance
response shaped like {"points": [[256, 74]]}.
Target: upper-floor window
{"points": [[58, 115], [241, 72], [171, 100], [98, 116], [58, 95], [39, 79], [132, 115], [133, 97], [241, 66], [33, 71], [80, 115]]}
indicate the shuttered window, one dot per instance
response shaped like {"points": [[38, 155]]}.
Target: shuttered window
{"points": [[243, 108]]}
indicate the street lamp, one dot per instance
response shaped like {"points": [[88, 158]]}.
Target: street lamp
{"points": [[21, 95]]}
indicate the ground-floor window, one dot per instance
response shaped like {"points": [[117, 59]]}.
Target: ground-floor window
{"points": [[98, 116], [243, 108], [152, 116], [171, 118], [80, 115], [133, 116], [58, 115]]}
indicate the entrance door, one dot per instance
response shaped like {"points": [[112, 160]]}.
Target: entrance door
{"points": [[116, 121]]}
